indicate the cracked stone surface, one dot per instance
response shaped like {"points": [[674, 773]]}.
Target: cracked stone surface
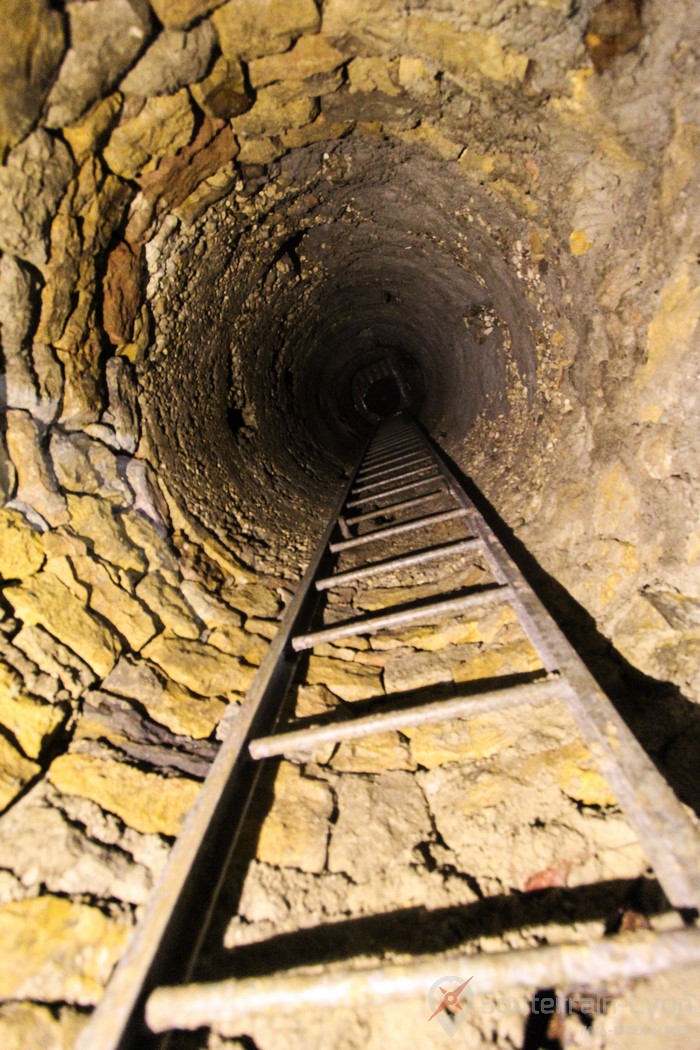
{"points": [[213, 215]]}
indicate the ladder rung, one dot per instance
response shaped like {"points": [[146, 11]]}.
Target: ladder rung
{"points": [[390, 446], [399, 439], [419, 715], [390, 492], [374, 453], [230, 1004], [392, 464], [400, 475], [404, 617], [404, 561], [396, 530], [392, 508]]}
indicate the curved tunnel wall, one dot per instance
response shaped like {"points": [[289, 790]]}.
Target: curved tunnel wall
{"points": [[210, 215], [386, 255]]}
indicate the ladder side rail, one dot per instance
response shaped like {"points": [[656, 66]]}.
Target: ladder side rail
{"points": [[655, 813], [116, 1023]]}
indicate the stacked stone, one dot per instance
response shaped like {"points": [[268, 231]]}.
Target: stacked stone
{"points": [[127, 625]]}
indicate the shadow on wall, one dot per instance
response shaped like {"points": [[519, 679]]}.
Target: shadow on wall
{"points": [[664, 721]]}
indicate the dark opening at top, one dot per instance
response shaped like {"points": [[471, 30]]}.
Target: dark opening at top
{"points": [[383, 398]]}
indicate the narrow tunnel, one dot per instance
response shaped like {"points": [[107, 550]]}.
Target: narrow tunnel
{"points": [[237, 237], [385, 267]]}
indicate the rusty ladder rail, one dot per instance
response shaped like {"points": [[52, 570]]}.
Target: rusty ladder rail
{"points": [[666, 833]]}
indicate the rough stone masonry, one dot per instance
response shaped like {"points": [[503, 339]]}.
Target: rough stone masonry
{"points": [[208, 212]]}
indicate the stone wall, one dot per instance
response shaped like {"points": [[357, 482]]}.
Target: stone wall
{"points": [[151, 152]]}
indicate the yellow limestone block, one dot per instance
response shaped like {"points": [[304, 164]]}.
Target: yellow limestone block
{"points": [[95, 520], [475, 738], [15, 772], [573, 768], [513, 658], [45, 600], [470, 53], [148, 802], [201, 668], [85, 136], [34, 1025], [349, 681], [21, 548], [373, 754], [163, 126], [28, 720], [295, 831], [250, 28], [57, 950]]}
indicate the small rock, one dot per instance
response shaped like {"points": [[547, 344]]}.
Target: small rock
{"points": [[163, 126], [32, 51], [408, 671], [105, 38], [239, 642], [149, 500], [248, 29], [147, 802], [314, 700], [320, 130], [45, 600], [154, 542], [30, 1024], [310, 56], [121, 290], [58, 664], [166, 602], [269, 117], [373, 754], [223, 93], [31, 722], [19, 292], [374, 74], [32, 182], [213, 612], [393, 806], [458, 741], [577, 779], [294, 833], [349, 681], [512, 658], [62, 951], [177, 177], [69, 861], [95, 520], [82, 378], [82, 464], [90, 134], [21, 547], [166, 702], [172, 61], [181, 13], [15, 772], [267, 628], [36, 484], [114, 604], [253, 599], [200, 668]]}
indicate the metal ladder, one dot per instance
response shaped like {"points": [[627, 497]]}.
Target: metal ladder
{"points": [[401, 471]]}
